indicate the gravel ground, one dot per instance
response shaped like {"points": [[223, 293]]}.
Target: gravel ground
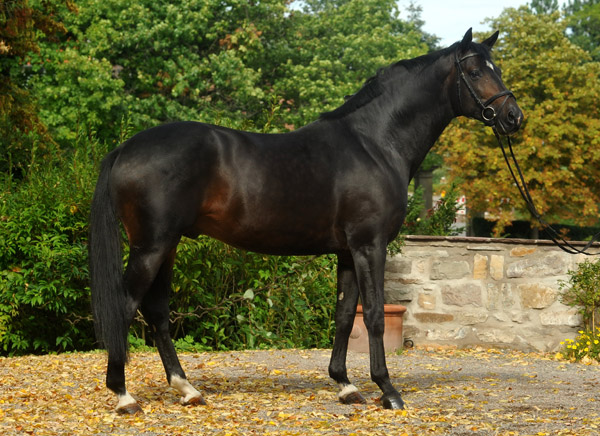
{"points": [[466, 392], [475, 392]]}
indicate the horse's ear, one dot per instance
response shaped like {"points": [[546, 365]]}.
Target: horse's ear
{"points": [[467, 39], [491, 40]]}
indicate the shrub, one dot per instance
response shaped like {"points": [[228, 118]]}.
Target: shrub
{"points": [[582, 290], [44, 298], [438, 220], [227, 298]]}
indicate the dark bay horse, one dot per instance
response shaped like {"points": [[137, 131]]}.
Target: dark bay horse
{"points": [[338, 185]]}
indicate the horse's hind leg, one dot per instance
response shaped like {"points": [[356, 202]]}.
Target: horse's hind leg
{"points": [[344, 320], [155, 308], [142, 269]]}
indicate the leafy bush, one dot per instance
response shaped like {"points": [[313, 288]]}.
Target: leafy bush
{"points": [[44, 298], [438, 220], [582, 290], [227, 298], [74, 90]]}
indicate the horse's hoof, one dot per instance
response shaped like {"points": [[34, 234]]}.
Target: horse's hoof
{"points": [[194, 401], [353, 398], [393, 402], [130, 409]]}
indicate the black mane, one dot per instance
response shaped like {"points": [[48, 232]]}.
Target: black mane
{"points": [[372, 87]]}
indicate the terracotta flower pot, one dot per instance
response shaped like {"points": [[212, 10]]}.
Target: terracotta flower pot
{"points": [[392, 338]]}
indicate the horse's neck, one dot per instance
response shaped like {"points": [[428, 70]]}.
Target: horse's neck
{"points": [[406, 120]]}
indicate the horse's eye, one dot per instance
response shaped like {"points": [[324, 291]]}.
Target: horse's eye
{"points": [[475, 74]]}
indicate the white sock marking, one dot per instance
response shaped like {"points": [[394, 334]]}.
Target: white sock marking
{"points": [[346, 390], [185, 388], [125, 400]]}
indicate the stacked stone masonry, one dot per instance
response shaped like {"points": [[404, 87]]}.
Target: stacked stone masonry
{"points": [[467, 292]]}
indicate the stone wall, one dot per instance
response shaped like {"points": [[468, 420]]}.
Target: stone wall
{"points": [[481, 291]]}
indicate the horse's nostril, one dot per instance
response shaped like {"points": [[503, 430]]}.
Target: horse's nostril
{"points": [[511, 116]]}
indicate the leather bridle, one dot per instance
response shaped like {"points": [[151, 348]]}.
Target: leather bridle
{"points": [[488, 113]]}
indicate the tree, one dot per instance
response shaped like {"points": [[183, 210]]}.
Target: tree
{"points": [[583, 21], [558, 147], [333, 50], [225, 63], [22, 134], [151, 62], [544, 6]]}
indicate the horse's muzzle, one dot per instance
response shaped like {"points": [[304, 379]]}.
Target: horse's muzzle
{"points": [[510, 119]]}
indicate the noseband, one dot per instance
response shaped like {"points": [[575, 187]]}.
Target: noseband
{"points": [[488, 113]]}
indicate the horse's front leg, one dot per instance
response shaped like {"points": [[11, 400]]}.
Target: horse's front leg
{"points": [[369, 262], [344, 319]]}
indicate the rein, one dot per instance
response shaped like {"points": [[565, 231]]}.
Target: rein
{"points": [[520, 182], [489, 115]]}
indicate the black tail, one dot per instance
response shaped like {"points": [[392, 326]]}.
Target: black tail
{"points": [[106, 268]]}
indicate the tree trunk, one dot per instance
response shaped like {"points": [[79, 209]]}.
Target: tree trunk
{"points": [[424, 179]]}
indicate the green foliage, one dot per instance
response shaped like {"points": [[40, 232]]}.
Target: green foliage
{"points": [[333, 49], [156, 63], [544, 6], [438, 220], [230, 299], [188, 344], [23, 136], [582, 290], [44, 296], [583, 21], [76, 93], [139, 344], [395, 247]]}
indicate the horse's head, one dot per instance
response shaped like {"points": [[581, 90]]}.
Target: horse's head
{"points": [[481, 93]]}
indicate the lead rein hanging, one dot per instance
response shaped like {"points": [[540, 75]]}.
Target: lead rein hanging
{"points": [[520, 182]]}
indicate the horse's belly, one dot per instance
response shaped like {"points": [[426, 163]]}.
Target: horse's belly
{"points": [[269, 235]]}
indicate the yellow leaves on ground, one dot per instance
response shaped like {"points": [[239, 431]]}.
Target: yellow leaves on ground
{"points": [[477, 392]]}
